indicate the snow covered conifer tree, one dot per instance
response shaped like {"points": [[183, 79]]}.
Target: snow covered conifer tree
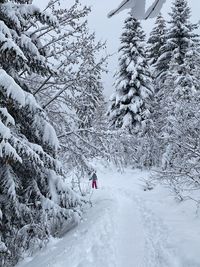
{"points": [[175, 72], [177, 125], [156, 40], [129, 105], [34, 200], [177, 106], [179, 37]]}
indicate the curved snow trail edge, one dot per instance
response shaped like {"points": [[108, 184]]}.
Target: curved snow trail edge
{"points": [[126, 227], [87, 245]]}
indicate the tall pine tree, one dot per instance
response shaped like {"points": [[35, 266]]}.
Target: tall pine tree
{"points": [[177, 109], [180, 36], [129, 105], [156, 40]]}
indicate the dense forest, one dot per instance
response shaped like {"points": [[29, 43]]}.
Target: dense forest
{"points": [[55, 119]]}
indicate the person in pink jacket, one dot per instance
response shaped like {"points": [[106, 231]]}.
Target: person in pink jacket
{"points": [[94, 179]]}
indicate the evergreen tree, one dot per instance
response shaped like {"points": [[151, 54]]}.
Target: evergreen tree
{"points": [[177, 105], [181, 89], [179, 38], [34, 202], [179, 134], [156, 40], [176, 71], [129, 105]]}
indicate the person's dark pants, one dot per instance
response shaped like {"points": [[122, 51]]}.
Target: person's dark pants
{"points": [[94, 184]]}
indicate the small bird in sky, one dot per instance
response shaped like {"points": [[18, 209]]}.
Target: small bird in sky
{"points": [[138, 10]]}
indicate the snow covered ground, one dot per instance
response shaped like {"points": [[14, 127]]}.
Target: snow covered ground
{"points": [[127, 227]]}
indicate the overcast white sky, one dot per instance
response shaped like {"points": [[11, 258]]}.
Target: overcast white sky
{"points": [[110, 29]]}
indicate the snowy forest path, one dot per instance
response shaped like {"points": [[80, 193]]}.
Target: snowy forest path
{"points": [[157, 249], [129, 232], [121, 229], [142, 238]]}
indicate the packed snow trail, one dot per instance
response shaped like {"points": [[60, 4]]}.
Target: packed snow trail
{"points": [[127, 227]]}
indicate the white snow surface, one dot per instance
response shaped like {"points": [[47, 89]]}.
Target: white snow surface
{"points": [[127, 227]]}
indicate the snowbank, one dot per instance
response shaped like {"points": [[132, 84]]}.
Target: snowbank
{"points": [[127, 226]]}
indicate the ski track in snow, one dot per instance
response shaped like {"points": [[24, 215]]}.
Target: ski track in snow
{"points": [[158, 250], [120, 230], [154, 248]]}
